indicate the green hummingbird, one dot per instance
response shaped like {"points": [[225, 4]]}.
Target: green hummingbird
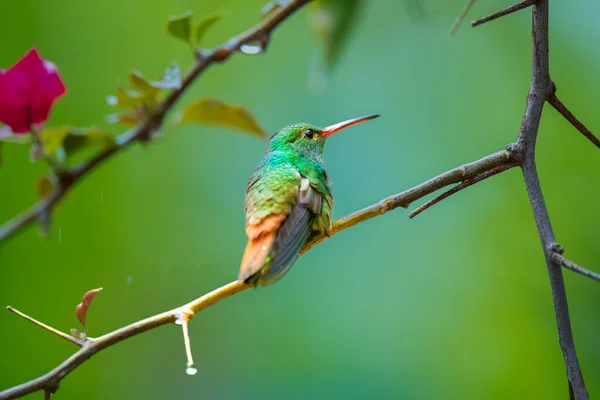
{"points": [[288, 199]]}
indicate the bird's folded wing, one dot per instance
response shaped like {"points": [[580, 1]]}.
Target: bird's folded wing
{"points": [[272, 253]]}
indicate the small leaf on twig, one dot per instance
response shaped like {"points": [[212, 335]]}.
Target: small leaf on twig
{"points": [[127, 99], [171, 78], [137, 81], [82, 308], [179, 26], [88, 138], [211, 111], [202, 26], [52, 141], [62, 142], [332, 20]]}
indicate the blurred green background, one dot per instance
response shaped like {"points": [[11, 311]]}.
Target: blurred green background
{"points": [[453, 304]]}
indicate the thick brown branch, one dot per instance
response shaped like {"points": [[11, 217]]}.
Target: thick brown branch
{"points": [[502, 13], [565, 262], [144, 130], [564, 111], [459, 187]]}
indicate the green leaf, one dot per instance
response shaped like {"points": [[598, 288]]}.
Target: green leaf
{"points": [[211, 111], [138, 82], [127, 99], [52, 141], [202, 26], [332, 21], [90, 138], [62, 142], [171, 78], [179, 26]]}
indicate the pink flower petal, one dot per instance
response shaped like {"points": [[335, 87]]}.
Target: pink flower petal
{"points": [[28, 90]]}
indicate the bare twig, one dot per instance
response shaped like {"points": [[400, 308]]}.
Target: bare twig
{"points": [[51, 380], [565, 262], [145, 128], [404, 199], [564, 111], [459, 187], [461, 17], [538, 93], [502, 13], [63, 335]]}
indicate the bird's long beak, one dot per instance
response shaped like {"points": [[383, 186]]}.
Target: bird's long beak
{"points": [[330, 130]]}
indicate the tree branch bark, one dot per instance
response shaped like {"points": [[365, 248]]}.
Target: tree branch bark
{"points": [[539, 91]]}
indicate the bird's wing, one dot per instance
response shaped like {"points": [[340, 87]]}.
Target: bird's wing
{"points": [[292, 234], [279, 212]]}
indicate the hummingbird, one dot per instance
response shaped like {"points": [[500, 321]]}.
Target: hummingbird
{"points": [[288, 199]]}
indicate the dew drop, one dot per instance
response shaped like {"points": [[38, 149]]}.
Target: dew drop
{"points": [[252, 48], [191, 371], [178, 321]]}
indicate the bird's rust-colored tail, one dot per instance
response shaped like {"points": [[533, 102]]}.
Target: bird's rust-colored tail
{"points": [[260, 241]]}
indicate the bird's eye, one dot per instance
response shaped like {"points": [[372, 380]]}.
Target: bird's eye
{"points": [[309, 134]]}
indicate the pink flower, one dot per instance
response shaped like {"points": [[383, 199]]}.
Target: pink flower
{"points": [[28, 90]]}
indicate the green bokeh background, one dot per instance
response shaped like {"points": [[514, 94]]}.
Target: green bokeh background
{"points": [[453, 304]]}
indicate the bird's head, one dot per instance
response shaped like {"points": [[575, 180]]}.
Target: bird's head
{"points": [[308, 138]]}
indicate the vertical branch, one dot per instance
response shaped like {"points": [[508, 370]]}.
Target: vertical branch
{"points": [[539, 90]]}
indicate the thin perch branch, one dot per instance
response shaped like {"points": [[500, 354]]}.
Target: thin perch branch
{"points": [[404, 199], [502, 13], [63, 335], [564, 111], [565, 262]]}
